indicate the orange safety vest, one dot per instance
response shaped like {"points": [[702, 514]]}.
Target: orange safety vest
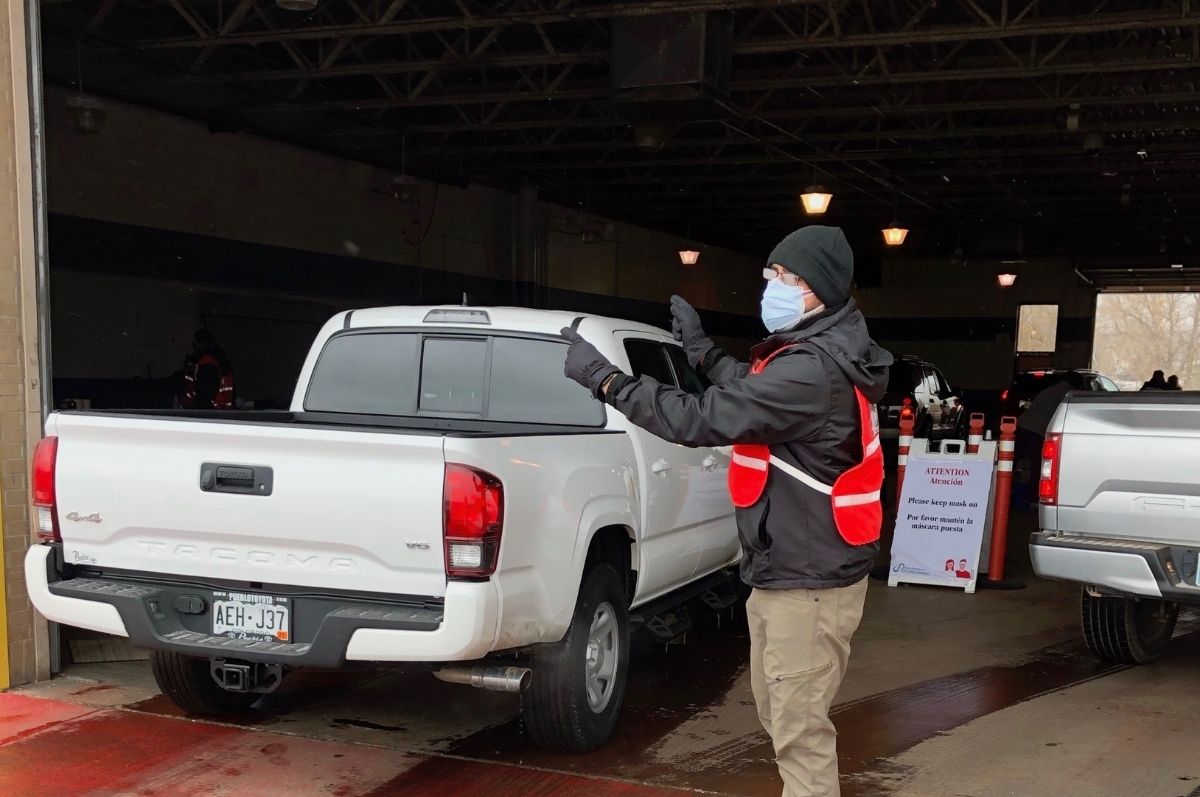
{"points": [[857, 510], [223, 400]]}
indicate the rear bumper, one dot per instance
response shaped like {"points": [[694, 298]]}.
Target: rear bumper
{"points": [[328, 630], [1126, 567], [42, 567]]}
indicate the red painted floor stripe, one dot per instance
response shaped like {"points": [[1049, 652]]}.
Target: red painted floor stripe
{"points": [[21, 716], [106, 751], [78, 751]]}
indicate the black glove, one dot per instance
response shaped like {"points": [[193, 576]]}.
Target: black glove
{"points": [[586, 365], [685, 323]]}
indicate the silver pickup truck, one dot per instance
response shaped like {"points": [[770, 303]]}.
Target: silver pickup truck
{"points": [[1120, 513]]}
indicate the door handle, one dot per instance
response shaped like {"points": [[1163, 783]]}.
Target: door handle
{"points": [[710, 462], [662, 466], [237, 479]]}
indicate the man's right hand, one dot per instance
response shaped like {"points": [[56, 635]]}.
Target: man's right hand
{"points": [[685, 323]]}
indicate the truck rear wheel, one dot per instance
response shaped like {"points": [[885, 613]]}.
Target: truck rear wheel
{"points": [[1127, 630], [574, 700], [190, 685]]}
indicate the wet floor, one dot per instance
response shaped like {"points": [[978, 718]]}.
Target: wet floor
{"points": [[931, 672]]}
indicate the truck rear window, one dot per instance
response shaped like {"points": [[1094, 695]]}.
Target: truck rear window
{"points": [[498, 378]]}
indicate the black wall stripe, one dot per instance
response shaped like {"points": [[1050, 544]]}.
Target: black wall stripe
{"points": [[103, 247]]}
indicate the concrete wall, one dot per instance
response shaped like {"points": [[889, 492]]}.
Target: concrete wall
{"points": [[24, 648], [151, 170], [956, 316]]}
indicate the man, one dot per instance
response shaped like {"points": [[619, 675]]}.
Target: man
{"points": [[1173, 382], [207, 375], [805, 475], [1157, 382]]}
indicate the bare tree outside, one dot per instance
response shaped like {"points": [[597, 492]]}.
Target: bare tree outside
{"points": [[1138, 333], [1037, 328]]}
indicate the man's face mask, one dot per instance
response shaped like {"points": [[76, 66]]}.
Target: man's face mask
{"points": [[783, 305]]}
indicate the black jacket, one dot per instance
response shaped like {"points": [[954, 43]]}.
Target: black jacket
{"points": [[803, 406]]}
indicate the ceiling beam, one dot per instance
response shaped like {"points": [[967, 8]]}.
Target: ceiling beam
{"points": [[758, 84], [459, 23], [370, 68], [1042, 26], [964, 133]]}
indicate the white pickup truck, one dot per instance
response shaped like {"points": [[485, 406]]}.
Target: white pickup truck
{"points": [[438, 492], [1120, 513]]}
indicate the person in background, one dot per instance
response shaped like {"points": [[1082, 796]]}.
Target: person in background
{"points": [[207, 375], [805, 475], [1173, 382], [1157, 382]]}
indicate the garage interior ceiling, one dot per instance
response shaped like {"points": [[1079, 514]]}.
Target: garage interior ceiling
{"points": [[998, 127]]}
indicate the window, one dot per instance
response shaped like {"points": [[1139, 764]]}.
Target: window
{"points": [[452, 375], [500, 379], [371, 374], [689, 379], [943, 387], [931, 383], [528, 385], [648, 358], [1037, 328], [1107, 384]]}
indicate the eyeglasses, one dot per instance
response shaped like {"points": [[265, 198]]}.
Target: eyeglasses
{"points": [[787, 277]]}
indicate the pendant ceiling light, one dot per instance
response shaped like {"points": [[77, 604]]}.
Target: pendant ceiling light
{"points": [[1006, 279], [894, 235], [689, 257], [816, 199]]}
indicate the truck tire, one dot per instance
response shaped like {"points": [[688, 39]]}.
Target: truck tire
{"points": [[190, 686], [1127, 630], [574, 700]]}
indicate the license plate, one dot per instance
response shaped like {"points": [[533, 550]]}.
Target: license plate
{"points": [[240, 615]]}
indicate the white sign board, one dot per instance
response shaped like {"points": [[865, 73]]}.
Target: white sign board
{"points": [[940, 521]]}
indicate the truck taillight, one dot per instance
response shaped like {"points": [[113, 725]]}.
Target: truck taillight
{"points": [[45, 498], [473, 523], [1048, 484]]}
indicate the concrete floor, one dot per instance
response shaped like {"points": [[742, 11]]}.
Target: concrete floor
{"points": [[948, 694]]}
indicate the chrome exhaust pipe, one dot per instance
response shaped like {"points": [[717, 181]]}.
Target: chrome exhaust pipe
{"points": [[494, 679]]}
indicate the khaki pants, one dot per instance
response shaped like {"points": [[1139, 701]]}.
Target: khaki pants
{"points": [[799, 646]]}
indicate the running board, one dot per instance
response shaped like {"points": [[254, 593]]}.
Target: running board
{"points": [[667, 617]]}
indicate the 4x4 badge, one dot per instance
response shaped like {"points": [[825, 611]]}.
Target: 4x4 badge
{"points": [[92, 518]]}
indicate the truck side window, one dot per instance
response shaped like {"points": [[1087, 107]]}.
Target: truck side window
{"points": [[689, 380], [648, 358]]}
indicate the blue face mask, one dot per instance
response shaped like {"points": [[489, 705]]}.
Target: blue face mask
{"points": [[783, 306]]}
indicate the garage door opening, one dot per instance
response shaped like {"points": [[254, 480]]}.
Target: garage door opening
{"points": [[1139, 333]]}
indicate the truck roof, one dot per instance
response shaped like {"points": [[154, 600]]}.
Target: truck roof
{"points": [[513, 319]]}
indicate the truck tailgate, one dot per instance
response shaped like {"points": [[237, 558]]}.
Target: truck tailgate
{"points": [[1129, 470], [348, 509]]}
